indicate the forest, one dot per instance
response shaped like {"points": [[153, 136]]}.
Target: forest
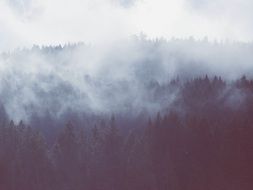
{"points": [[200, 140], [126, 95]]}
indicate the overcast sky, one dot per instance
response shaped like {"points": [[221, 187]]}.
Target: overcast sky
{"points": [[27, 22]]}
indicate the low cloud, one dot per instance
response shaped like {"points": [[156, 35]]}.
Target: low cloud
{"points": [[126, 3], [120, 78], [25, 9], [96, 21]]}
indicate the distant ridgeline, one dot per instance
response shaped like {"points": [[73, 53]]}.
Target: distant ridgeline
{"points": [[201, 139]]}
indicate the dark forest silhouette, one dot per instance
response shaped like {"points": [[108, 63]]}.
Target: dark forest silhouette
{"points": [[202, 142]]}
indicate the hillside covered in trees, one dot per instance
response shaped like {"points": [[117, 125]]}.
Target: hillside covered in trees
{"points": [[126, 95], [203, 140], [143, 115], [96, 79]]}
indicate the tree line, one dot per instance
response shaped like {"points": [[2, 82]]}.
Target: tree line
{"points": [[202, 141]]}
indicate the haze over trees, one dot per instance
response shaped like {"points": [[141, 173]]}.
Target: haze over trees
{"points": [[141, 127], [88, 79]]}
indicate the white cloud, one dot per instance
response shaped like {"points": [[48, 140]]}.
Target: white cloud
{"points": [[27, 22], [25, 9], [124, 3]]}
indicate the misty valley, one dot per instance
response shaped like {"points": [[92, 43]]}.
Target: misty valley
{"points": [[138, 115]]}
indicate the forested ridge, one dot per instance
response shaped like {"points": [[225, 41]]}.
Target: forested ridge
{"points": [[201, 140], [126, 95]]}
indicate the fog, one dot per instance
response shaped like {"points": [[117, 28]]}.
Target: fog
{"points": [[113, 53], [27, 22], [126, 94], [115, 78]]}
